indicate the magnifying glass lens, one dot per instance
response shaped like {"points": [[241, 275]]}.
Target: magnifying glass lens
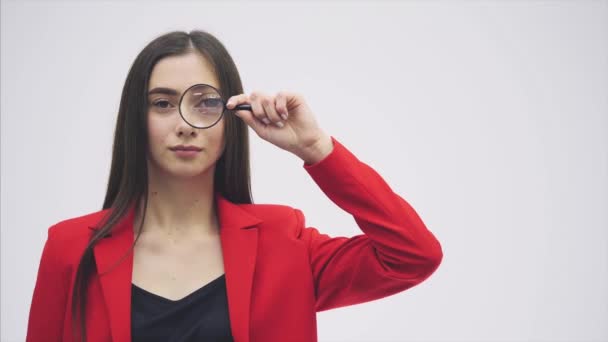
{"points": [[201, 106]]}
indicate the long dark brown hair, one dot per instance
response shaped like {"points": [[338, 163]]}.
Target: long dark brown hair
{"points": [[128, 180]]}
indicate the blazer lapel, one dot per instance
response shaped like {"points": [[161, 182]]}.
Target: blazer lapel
{"points": [[239, 239], [114, 262]]}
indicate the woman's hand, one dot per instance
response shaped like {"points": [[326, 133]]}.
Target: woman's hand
{"points": [[286, 121]]}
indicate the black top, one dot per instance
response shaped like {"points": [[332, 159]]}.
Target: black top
{"points": [[200, 316]]}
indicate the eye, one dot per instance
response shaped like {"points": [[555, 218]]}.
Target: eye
{"points": [[214, 102], [163, 104], [211, 103]]}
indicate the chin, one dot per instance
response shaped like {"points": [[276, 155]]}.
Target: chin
{"points": [[182, 169], [185, 171]]}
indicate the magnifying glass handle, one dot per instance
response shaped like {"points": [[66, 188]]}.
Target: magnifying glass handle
{"points": [[243, 107]]}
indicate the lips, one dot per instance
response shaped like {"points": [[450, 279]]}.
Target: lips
{"points": [[185, 148]]}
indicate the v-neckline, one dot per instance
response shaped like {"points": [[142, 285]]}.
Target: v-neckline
{"points": [[171, 301]]}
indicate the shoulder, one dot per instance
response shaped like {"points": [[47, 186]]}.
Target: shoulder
{"points": [[276, 216], [270, 212], [75, 230], [67, 239]]}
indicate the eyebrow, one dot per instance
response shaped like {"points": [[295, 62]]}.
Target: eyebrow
{"points": [[161, 90]]}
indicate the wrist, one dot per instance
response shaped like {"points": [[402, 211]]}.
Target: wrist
{"points": [[317, 151]]}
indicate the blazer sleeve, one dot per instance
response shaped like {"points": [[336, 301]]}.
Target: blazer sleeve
{"points": [[49, 299], [395, 252]]}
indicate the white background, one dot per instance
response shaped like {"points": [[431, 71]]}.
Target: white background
{"points": [[489, 117]]}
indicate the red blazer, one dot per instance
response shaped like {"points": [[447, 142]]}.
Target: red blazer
{"points": [[279, 272]]}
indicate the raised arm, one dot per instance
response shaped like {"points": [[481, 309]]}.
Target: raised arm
{"points": [[395, 252]]}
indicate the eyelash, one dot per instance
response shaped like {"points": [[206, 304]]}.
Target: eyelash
{"points": [[155, 103]]}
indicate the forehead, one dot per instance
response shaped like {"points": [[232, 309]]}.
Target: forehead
{"points": [[181, 72]]}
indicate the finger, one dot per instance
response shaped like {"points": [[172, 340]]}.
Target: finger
{"points": [[257, 108], [236, 100], [281, 104], [250, 120], [268, 103]]}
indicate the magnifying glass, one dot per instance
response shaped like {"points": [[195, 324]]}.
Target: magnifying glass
{"points": [[202, 106]]}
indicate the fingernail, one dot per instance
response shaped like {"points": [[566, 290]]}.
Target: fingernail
{"points": [[284, 116], [266, 121], [280, 124]]}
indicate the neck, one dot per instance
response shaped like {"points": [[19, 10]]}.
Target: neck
{"points": [[179, 207]]}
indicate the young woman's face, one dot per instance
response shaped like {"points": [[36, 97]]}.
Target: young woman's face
{"points": [[166, 128]]}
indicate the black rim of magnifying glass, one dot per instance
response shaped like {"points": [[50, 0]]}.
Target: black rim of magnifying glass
{"points": [[239, 107]]}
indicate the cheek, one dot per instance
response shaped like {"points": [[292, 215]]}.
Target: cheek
{"points": [[156, 132], [218, 137]]}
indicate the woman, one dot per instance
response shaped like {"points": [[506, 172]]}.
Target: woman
{"points": [[180, 253]]}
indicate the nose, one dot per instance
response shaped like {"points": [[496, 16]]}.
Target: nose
{"points": [[183, 128]]}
